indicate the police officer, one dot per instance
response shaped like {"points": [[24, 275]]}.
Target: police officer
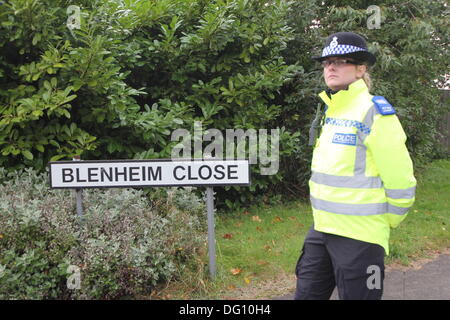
{"points": [[362, 181]]}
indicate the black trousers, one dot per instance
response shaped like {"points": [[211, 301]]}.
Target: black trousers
{"points": [[327, 260]]}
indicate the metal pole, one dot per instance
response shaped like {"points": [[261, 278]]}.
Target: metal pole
{"points": [[211, 232], [79, 195]]}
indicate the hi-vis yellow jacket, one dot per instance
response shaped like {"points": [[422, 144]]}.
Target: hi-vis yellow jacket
{"points": [[362, 180]]}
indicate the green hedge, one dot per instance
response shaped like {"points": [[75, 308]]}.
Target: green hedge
{"points": [[411, 46], [124, 246], [134, 71]]}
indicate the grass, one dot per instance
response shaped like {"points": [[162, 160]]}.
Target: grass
{"points": [[262, 242], [257, 249], [427, 227]]}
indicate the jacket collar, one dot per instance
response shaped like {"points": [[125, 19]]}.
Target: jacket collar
{"points": [[344, 96]]}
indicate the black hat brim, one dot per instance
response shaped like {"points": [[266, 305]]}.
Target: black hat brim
{"points": [[362, 56]]}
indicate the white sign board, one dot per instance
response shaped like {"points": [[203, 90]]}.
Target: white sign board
{"points": [[146, 173]]}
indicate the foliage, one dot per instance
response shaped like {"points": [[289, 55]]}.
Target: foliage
{"points": [[118, 83], [411, 46], [413, 38], [123, 246], [131, 72]]}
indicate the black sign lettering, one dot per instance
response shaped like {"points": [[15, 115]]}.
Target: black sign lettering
{"points": [[216, 170], [175, 172], [200, 170], [143, 173], [67, 175], [230, 172], [104, 173], [155, 175], [92, 174], [190, 177], [123, 173], [77, 170], [134, 172]]}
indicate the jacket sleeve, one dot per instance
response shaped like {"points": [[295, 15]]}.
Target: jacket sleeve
{"points": [[386, 143]]}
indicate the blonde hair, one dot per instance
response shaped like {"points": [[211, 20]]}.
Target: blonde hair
{"points": [[367, 79]]}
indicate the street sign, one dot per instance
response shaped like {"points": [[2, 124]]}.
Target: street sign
{"points": [[148, 173], [153, 173]]}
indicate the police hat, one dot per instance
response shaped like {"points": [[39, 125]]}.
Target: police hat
{"points": [[346, 44]]}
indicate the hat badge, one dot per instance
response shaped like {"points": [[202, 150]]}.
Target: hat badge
{"points": [[334, 43]]}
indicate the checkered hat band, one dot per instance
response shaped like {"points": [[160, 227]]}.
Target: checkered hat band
{"points": [[340, 49]]}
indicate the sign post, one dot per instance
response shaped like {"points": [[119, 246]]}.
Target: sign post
{"points": [[79, 195], [211, 232], [153, 173]]}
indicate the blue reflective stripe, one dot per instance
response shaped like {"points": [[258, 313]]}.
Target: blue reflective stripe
{"points": [[358, 182], [408, 193], [366, 209]]}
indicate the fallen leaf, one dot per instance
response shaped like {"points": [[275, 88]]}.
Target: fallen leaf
{"points": [[247, 280], [256, 219], [235, 271], [246, 213], [259, 229], [267, 247], [277, 219], [228, 236], [293, 218]]}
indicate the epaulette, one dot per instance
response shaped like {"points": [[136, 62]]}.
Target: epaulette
{"points": [[383, 106]]}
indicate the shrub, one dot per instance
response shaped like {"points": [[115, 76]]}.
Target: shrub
{"points": [[411, 46], [134, 71], [139, 70], [124, 245]]}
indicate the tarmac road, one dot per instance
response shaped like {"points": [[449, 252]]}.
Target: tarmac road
{"points": [[430, 282]]}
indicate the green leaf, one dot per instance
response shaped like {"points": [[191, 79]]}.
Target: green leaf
{"points": [[27, 154], [36, 39], [66, 113], [58, 157], [54, 143]]}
